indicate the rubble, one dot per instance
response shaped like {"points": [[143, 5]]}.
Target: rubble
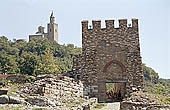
{"points": [[4, 99], [49, 92], [142, 102]]}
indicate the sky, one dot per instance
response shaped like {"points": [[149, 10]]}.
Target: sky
{"points": [[19, 18]]}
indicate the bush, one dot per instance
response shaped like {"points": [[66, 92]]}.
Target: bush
{"points": [[167, 100], [99, 106], [30, 78], [3, 82]]}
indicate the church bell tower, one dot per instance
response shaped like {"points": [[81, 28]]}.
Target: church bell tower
{"points": [[52, 29]]}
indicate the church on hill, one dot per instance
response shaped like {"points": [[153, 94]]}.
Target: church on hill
{"points": [[52, 31]]}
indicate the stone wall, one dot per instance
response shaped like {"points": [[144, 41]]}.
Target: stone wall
{"points": [[142, 106], [17, 78], [47, 92], [63, 87], [58, 87], [109, 55], [56, 92], [143, 101], [14, 78]]}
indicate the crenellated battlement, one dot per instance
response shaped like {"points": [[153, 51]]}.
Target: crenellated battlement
{"points": [[110, 54], [109, 24]]}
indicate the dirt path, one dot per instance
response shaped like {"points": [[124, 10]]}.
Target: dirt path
{"points": [[112, 106]]}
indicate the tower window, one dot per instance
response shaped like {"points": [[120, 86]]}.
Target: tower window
{"points": [[50, 30]]}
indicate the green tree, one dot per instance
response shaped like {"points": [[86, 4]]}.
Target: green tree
{"points": [[32, 57], [47, 65], [38, 46], [4, 43], [8, 63], [28, 63], [20, 45], [150, 75]]}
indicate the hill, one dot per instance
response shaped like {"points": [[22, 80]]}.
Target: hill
{"points": [[35, 57], [154, 84], [41, 56]]}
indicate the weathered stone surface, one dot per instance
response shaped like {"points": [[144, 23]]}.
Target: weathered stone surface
{"points": [[55, 91], [41, 101], [109, 55], [142, 106], [4, 99], [55, 86], [15, 100], [17, 78], [3, 92], [141, 102], [87, 107]]}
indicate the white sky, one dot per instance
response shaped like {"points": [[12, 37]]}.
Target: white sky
{"points": [[19, 18]]}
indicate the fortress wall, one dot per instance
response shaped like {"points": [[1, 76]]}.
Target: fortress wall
{"points": [[103, 45]]}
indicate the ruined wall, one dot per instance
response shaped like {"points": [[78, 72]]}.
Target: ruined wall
{"points": [[59, 87], [56, 91], [110, 54], [64, 87], [142, 106]]}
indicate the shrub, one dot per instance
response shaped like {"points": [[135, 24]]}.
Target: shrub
{"points": [[30, 78]]}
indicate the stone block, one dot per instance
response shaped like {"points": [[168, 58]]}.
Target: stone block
{"points": [[3, 92]]}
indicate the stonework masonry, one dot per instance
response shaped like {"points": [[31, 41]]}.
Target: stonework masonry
{"points": [[60, 87], [109, 55], [56, 91]]}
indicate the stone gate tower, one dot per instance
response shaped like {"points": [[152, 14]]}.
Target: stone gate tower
{"points": [[110, 55]]}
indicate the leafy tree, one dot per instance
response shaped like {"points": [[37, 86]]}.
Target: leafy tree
{"points": [[39, 56], [8, 64], [4, 43], [47, 66], [153, 84], [38, 46], [28, 63], [65, 64], [20, 45], [150, 74]]}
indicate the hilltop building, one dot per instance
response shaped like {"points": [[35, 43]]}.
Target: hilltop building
{"points": [[52, 31]]}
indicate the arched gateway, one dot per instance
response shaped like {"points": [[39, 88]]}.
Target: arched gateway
{"points": [[110, 56]]}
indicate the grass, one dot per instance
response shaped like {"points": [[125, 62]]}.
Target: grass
{"points": [[38, 109], [81, 100], [73, 104], [99, 106], [12, 87]]}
